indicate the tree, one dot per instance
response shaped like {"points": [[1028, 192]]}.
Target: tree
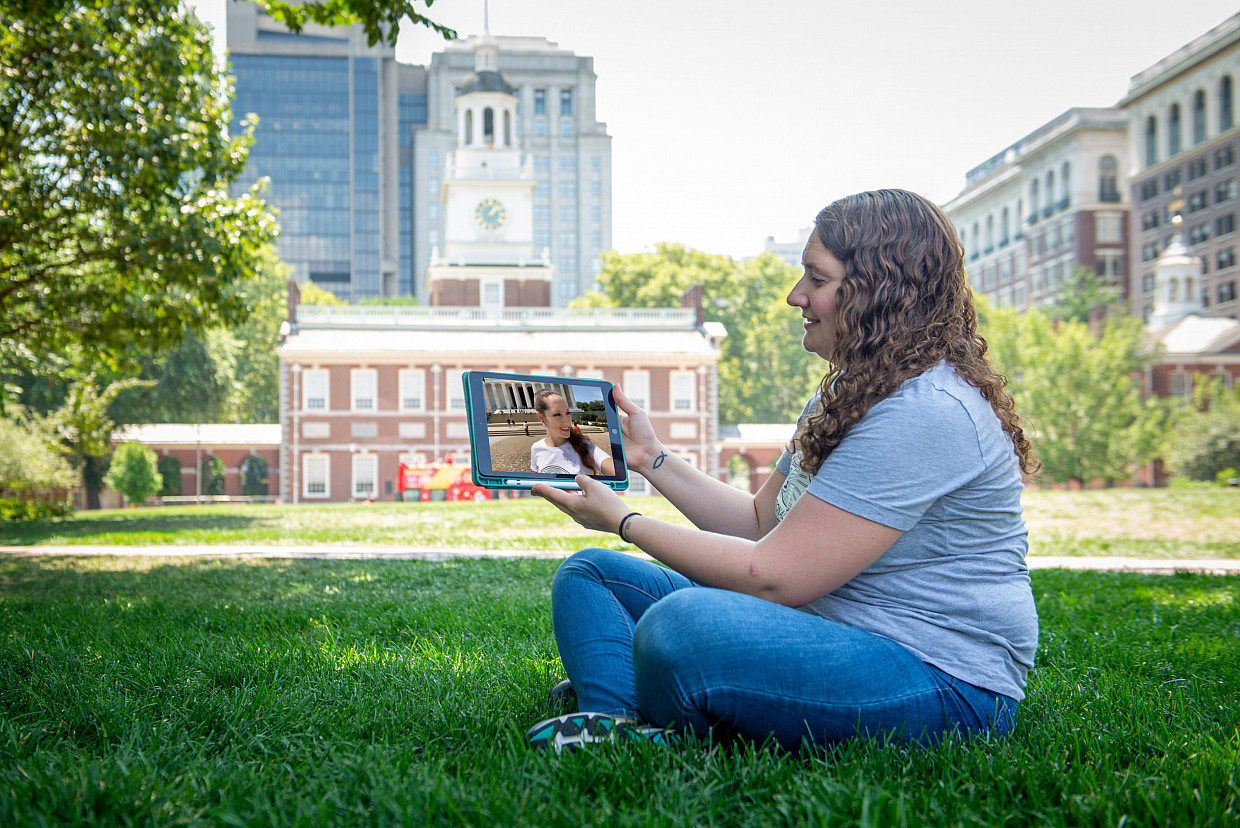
{"points": [[85, 427], [134, 472], [32, 470], [381, 19], [312, 294], [764, 373], [1079, 391], [1206, 439], [1079, 295], [118, 233]]}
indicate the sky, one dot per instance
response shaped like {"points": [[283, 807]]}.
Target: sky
{"points": [[733, 121]]}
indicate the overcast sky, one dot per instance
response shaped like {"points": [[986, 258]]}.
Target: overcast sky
{"points": [[732, 121]]}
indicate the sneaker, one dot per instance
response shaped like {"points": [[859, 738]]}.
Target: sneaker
{"points": [[563, 693], [573, 731]]}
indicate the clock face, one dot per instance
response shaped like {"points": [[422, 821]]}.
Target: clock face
{"points": [[490, 214]]}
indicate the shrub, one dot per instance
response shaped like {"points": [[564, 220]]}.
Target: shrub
{"points": [[134, 472]]}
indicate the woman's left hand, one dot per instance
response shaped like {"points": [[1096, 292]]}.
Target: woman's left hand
{"points": [[595, 507]]}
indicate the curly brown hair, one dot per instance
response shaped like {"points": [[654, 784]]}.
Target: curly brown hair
{"points": [[903, 306]]}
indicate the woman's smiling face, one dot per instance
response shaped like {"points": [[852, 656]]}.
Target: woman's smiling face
{"points": [[556, 418], [814, 294]]}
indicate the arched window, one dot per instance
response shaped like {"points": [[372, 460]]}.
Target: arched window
{"points": [[1199, 117], [1033, 198], [1050, 193], [1173, 130], [254, 476], [1151, 141], [990, 233], [507, 128], [488, 125], [1005, 223], [1108, 179], [1224, 104], [1065, 184], [469, 127]]}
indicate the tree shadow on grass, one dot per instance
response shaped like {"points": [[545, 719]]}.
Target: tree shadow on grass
{"points": [[138, 521]]}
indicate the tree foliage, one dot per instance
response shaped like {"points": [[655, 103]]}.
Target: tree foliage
{"points": [[85, 427], [1078, 296], [764, 373], [30, 460], [1079, 392], [118, 233], [381, 19], [1206, 439], [134, 472]]}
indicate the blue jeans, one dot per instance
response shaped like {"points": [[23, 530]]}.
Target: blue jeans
{"points": [[640, 640]]}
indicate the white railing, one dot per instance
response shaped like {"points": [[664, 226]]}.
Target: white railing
{"points": [[404, 316]]}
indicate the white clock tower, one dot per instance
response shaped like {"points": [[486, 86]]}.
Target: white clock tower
{"points": [[489, 258]]}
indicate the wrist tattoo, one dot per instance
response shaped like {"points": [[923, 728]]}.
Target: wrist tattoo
{"points": [[658, 461]]}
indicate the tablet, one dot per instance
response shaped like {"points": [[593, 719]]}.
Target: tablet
{"points": [[526, 429]]}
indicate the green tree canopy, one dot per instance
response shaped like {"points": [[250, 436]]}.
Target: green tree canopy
{"points": [[381, 19], [30, 459], [1206, 439], [1079, 295], [764, 373], [1079, 391], [117, 230], [134, 472]]}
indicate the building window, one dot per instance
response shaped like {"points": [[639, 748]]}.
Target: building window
{"points": [[1224, 191], [1004, 224], [543, 189], [540, 101], [1065, 186], [540, 127], [1147, 283], [1199, 117], [1034, 200], [568, 290], [1108, 179], [568, 213], [568, 163], [1197, 201], [683, 387], [412, 382], [596, 164], [1173, 130], [1149, 220], [1224, 104], [1110, 265], [1172, 179], [1049, 207], [566, 102], [1149, 251], [596, 188], [568, 189], [365, 473], [455, 390], [542, 164], [1199, 233], [566, 128], [364, 384], [1108, 227], [316, 475], [432, 186], [1225, 224], [314, 390], [1227, 292], [636, 386], [1151, 141], [1179, 383], [1226, 258], [1224, 157], [1197, 168]]}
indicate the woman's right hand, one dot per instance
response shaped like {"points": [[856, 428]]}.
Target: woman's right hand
{"points": [[641, 445]]}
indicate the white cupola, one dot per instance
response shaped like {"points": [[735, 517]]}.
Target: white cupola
{"points": [[1177, 282]]}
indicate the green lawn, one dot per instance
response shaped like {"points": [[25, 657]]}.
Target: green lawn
{"points": [[190, 691], [171, 690], [1154, 523]]}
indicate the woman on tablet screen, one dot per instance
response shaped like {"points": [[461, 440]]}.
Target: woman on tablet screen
{"points": [[564, 450]]}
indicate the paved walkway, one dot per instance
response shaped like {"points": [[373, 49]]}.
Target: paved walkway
{"points": [[1159, 566]]}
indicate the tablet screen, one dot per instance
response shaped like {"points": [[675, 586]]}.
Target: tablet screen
{"points": [[527, 428]]}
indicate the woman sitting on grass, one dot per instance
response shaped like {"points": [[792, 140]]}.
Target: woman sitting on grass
{"points": [[876, 585]]}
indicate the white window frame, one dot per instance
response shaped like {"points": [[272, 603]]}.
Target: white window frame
{"points": [[682, 388], [1108, 227], [411, 381], [1184, 380], [455, 391], [365, 470], [359, 379], [308, 479], [321, 378], [636, 386]]}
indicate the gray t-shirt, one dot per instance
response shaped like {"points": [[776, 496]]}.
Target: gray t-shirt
{"points": [[933, 461]]}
